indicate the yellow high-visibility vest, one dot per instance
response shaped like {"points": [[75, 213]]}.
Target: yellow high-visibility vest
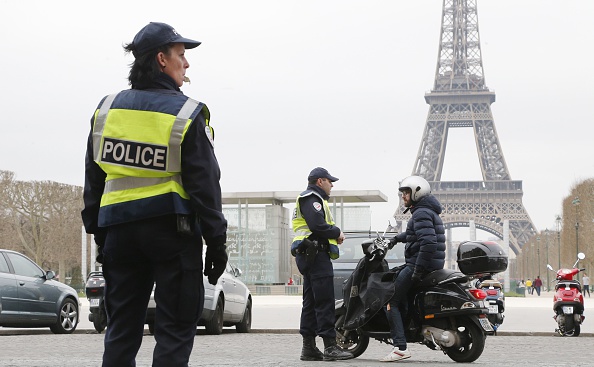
{"points": [[302, 230], [140, 152]]}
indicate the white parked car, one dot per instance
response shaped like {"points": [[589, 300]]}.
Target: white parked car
{"points": [[229, 303]]}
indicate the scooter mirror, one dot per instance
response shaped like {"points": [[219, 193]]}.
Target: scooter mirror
{"points": [[392, 222], [581, 256], [550, 267]]}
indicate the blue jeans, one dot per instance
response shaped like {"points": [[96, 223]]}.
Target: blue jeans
{"points": [[398, 307]]}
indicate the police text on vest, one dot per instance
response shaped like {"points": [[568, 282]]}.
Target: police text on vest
{"points": [[134, 154]]}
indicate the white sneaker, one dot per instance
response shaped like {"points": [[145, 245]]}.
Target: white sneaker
{"points": [[396, 355]]}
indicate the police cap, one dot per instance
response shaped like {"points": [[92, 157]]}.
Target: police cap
{"points": [[320, 172], [155, 35]]}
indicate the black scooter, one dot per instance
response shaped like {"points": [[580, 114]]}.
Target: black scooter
{"points": [[445, 311], [94, 291]]}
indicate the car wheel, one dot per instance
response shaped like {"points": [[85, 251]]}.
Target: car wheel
{"points": [[214, 326], [245, 325], [67, 319]]}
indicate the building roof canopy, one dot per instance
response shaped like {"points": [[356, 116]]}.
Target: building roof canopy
{"points": [[280, 197]]}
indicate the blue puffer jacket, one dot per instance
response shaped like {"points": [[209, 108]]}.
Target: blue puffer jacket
{"points": [[424, 236]]}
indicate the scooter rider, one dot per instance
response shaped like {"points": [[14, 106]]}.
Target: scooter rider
{"points": [[315, 243], [424, 252]]}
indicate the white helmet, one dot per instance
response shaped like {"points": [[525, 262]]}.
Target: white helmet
{"points": [[418, 186]]}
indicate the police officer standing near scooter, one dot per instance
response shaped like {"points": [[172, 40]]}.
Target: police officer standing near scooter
{"points": [[315, 243]]}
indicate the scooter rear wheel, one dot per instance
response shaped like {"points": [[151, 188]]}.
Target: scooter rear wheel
{"points": [[351, 340], [473, 342], [100, 319]]}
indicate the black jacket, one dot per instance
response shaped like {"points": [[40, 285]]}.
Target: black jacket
{"points": [[424, 236]]}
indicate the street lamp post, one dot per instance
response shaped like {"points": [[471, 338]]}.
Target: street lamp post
{"points": [[575, 203], [526, 271], [538, 255], [532, 258], [558, 222], [547, 248]]}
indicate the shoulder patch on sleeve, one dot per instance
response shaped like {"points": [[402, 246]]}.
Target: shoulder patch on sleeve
{"points": [[317, 206], [209, 134]]}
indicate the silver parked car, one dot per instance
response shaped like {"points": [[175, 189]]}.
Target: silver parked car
{"points": [[229, 303], [31, 297]]}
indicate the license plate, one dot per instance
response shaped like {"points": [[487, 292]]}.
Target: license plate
{"points": [[567, 309], [486, 324], [493, 309], [94, 302]]}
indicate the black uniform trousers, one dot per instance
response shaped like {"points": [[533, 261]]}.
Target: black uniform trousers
{"points": [[136, 255], [317, 312]]}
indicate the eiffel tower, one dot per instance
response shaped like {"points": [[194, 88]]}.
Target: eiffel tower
{"points": [[460, 99]]}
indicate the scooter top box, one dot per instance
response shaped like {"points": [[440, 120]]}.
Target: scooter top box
{"points": [[485, 257]]}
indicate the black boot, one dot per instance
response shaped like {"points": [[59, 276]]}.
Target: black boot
{"points": [[333, 353], [310, 352]]}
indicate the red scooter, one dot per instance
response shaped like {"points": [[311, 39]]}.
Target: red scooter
{"points": [[568, 302]]}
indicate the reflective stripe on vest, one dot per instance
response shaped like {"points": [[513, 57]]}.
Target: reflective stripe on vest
{"points": [[174, 154], [126, 183]]}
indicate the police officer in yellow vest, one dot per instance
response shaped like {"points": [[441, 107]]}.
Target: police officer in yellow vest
{"points": [[151, 195], [315, 243]]}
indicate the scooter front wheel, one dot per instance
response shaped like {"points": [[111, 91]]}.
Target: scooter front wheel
{"points": [[350, 340]]}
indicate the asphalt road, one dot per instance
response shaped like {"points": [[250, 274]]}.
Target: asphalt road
{"points": [[526, 337], [262, 350]]}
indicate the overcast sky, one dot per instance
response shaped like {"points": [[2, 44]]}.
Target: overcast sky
{"points": [[296, 84]]}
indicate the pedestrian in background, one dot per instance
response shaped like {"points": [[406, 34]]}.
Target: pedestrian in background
{"points": [[522, 287], [529, 286], [586, 284], [314, 245], [151, 195], [537, 284]]}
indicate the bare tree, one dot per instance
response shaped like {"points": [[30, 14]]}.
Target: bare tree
{"points": [[8, 238], [42, 220], [63, 232], [578, 224]]}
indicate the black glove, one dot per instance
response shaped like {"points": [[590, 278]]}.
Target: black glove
{"points": [[215, 262], [99, 257], [392, 243], [417, 275], [99, 241]]}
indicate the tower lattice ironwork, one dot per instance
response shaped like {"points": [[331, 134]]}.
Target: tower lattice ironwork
{"points": [[461, 99]]}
